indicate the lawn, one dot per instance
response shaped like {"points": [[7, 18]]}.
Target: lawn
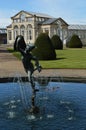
{"points": [[67, 58]]}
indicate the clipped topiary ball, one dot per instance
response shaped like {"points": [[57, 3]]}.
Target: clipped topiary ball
{"points": [[75, 42], [57, 42], [44, 49]]}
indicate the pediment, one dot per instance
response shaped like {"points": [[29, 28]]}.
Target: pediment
{"points": [[23, 14], [60, 21]]}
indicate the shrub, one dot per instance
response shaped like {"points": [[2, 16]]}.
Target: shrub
{"points": [[57, 42], [44, 49], [75, 42]]}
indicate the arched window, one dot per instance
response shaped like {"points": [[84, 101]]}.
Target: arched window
{"points": [[15, 31], [22, 30], [22, 17], [29, 32]]}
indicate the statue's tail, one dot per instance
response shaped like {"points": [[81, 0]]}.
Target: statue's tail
{"points": [[19, 43]]}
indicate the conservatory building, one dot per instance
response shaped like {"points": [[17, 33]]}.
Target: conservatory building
{"points": [[30, 25]]}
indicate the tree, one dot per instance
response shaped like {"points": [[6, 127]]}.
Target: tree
{"points": [[44, 49], [57, 42]]}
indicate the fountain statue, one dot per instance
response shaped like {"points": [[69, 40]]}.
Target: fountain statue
{"points": [[27, 57]]}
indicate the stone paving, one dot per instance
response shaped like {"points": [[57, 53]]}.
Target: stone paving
{"points": [[10, 66]]}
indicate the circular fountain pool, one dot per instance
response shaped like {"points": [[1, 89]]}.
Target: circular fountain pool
{"points": [[62, 106]]}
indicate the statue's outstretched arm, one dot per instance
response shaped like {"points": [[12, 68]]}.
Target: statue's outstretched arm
{"points": [[22, 51]]}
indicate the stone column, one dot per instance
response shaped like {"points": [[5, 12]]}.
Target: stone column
{"points": [[25, 33], [34, 34]]}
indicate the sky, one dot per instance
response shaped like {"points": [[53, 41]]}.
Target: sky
{"points": [[72, 11]]}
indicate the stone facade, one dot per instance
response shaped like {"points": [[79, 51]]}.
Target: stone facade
{"points": [[30, 25]]}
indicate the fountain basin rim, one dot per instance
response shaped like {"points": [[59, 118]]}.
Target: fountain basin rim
{"points": [[54, 79]]}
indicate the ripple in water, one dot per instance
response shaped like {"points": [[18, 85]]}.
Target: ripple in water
{"points": [[11, 114]]}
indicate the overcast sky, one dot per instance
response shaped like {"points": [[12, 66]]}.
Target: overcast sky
{"points": [[72, 11]]}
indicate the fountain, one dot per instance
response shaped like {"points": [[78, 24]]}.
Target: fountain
{"points": [[27, 58], [41, 103], [61, 108]]}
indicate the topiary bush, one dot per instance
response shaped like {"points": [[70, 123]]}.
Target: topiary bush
{"points": [[57, 42], [44, 49], [75, 42]]}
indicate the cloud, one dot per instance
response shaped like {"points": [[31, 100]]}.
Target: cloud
{"points": [[4, 22], [5, 17], [71, 11]]}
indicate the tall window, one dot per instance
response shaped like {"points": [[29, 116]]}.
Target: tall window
{"points": [[29, 32], [15, 31], [22, 17], [58, 31], [9, 35], [22, 30], [55, 31]]}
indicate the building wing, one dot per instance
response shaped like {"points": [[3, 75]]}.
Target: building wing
{"points": [[77, 27], [53, 20]]}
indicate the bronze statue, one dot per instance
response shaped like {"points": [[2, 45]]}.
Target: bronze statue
{"points": [[27, 58]]}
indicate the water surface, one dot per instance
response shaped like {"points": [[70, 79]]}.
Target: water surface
{"points": [[62, 106]]}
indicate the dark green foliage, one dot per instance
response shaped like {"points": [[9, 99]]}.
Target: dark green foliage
{"points": [[75, 42], [57, 42], [44, 50]]}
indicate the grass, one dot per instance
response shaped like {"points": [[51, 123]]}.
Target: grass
{"points": [[67, 58]]}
